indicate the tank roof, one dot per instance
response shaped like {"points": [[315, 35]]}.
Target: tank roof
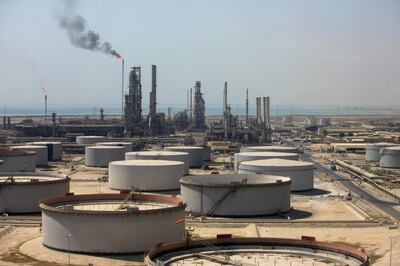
{"points": [[105, 147], [6, 152], [28, 147], [223, 180], [149, 163], [266, 153], [395, 148], [157, 153], [185, 147], [29, 178], [92, 137], [272, 147], [46, 142], [277, 162]]}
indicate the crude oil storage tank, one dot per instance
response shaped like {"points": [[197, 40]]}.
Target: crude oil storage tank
{"points": [[160, 155], [225, 250], [145, 175], [101, 156], [54, 149], [251, 156], [236, 194], [390, 157], [372, 151], [17, 161], [87, 140], [111, 223], [271, 148], [301, 173], [127, 145], [21, 192], [41, 153], [196, 154]]}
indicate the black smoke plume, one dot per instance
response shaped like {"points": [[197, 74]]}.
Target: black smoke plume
{"points": [[78, 33]]}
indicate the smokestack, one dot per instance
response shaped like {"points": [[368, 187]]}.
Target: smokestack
{"points": [[247, 106], [266, 113], [122, 88], [258, 110], [153, 93], [225, 104], [191, 104]]}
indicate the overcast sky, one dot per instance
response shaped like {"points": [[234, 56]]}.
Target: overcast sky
{"points": [[318, 52]]}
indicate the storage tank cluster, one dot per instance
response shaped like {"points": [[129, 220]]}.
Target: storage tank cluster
{"points": [[390, 157], [196, 154], [372, 151], [111, 223], [145, 175], [251, 156], [21, 192], [236, 194], [301, 173], [40, 151], [160, 155], [101, 156], [17, 160], [87, 140]]}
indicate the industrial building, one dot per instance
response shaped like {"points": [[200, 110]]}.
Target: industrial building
{"points": [[199, 107], [252, 156], [236, 194], [301, 173], [21, 192], [133, 104], [101, 156], [111, 223]]}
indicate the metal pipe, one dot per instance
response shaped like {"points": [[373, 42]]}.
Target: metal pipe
{"points": [[122, 88]]}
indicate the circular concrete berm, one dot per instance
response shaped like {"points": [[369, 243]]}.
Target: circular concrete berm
{"points": [[196, 154], [390, 157], [41, 153], [145, 175], [86, 140], [301, 173], [251, 156], [17, 161], [236, 194], [160, 155], [127, 145], [101, 156], [372, 150], [21, 192], [272, 148], [111, 223]]}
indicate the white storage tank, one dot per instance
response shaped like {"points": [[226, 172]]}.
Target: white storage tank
{"points": [[372, 151], [390, 157], [251, 156], [21, 192], [301, 173], [145, 175], [41, 153], [111, 223], [196, 154], [17, 161], [101, 156], [87, 140], [236, 194], [160, 155], [127, 145], [272, 148], [54, 149]]}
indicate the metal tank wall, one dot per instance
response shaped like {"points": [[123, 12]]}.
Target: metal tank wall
{"points": [[17, 163], [86, 140], [101, 156], [146, 175], [127, 145], [54, 149], [160, 155], [251, 156], [196, 154], [390, 157], [41, 153]]}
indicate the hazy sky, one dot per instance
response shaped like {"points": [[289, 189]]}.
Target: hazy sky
{"points": [[298, 52]]}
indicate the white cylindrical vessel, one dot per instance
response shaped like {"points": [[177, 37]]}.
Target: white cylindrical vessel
{"points": [[145, 175], [21, 192], [301, 173], [86, 140], [196, 154], [101, 156], [390, 157], [54, 149], [41, 153], [160, 155], [127, 145], [251, 156], [236, 194], [17, 161], [272, 148], [111, 223], [372, 151]]}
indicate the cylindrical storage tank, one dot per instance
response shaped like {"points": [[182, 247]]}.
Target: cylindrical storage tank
{"points": [[160, 155], [127, 145], [54, 149], [145, 175], [87, 140], [271, 148], [21, 192], [236, 194], [372, 151], [17, 161], [196, 154], [301, 173], [251, 156], [390, 157], [41, 153], [101, 156], [111, 223]]}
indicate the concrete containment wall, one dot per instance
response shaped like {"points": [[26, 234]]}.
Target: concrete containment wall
{"points": [[236, 194], [41, 153], [101, 156], [196, 154]]}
